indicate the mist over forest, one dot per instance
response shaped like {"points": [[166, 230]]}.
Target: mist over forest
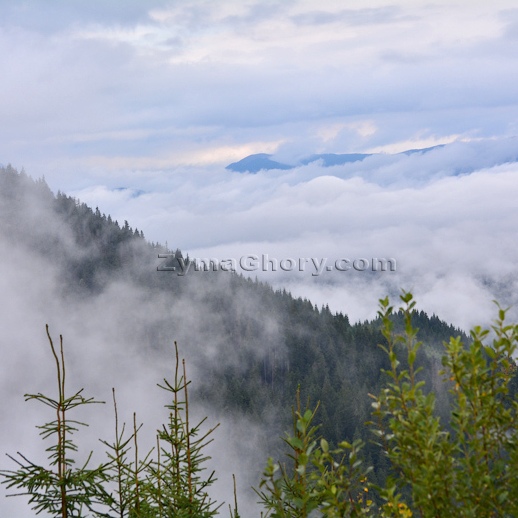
{"points": [[247, 346], [312, 134]]}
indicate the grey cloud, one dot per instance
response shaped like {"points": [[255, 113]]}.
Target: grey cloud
{"points": [[65, 96], [259, 12], [440, 225], [222, 207], [509, 17], [60, 13], [363, 16]]}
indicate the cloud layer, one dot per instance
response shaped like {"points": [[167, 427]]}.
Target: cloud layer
{"points": [[138, 107], [93, 89], [447, 216]]}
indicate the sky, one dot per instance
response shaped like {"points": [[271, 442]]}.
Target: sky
{"points": [[137, 108]]}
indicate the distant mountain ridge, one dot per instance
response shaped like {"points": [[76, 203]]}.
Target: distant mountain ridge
{"points": [[263, 161]]}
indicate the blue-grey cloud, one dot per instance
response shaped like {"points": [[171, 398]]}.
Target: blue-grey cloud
{"points": [[61, 14], [362, 16], [158, 98], [137, 107]]}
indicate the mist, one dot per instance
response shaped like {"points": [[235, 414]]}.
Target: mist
{"points": [[445, 216], [137, 108], [121, 336]]}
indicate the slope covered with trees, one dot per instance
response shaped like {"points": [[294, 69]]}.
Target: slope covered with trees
{"points": [[464, 467], [267, 343]]}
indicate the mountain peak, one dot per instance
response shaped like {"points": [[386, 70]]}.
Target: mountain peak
{"points": [[256, 163], [263, 161]]}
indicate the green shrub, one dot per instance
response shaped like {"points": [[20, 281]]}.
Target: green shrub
{"points": [[464, 467]]}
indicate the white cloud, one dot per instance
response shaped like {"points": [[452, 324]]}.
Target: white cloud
{"points": [[438, 214], [419, 141], [137, 107], [244, 73]]}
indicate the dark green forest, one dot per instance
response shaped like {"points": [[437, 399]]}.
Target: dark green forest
{"points": [[333, 361]]}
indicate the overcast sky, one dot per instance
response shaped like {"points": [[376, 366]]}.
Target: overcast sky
{"points": [[137, 107]]}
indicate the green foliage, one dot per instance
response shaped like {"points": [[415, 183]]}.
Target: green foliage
{"points": [[175, 484], [170, 485], [468, 468], [61, 490], [463, 466], [124, 475], [332, 481]]}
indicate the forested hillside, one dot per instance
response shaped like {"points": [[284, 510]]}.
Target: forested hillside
{"points": [[253, 345]]}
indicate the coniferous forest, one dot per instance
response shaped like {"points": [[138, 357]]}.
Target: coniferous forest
{"points": [[260, 351]]}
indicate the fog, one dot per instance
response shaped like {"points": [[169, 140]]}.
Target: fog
{"points": [[137, 108], [107, 344], [451, 236], [446, 216]]}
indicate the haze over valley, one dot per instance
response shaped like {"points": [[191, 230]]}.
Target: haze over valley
{"points": [[301, 142]]}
